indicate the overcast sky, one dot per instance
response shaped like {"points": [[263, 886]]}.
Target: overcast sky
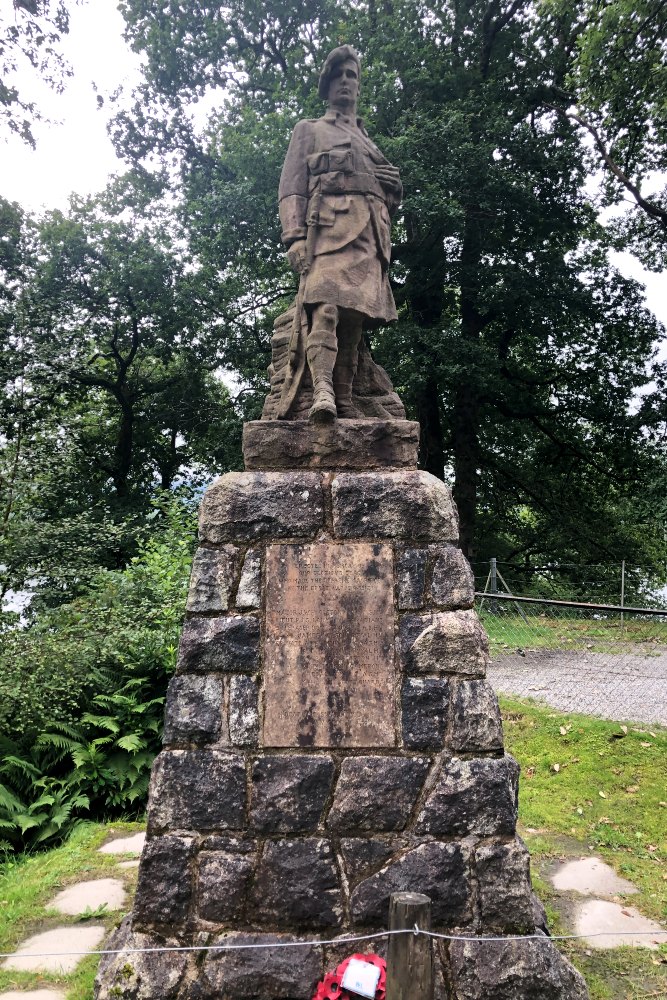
{"points": [[74, 153]]}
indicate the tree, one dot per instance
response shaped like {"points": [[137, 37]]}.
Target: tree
{"points": [[518, 344], [112, 395], [30, 34], [616, 92]]}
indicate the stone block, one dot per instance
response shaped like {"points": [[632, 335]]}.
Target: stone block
{"points": [[414, 506], [164, 887], [275, 973], [476, 726], [133, 973], [438, 870], [251, 505], [249, 594], [477, 796], [212, 579], [344, 444], [362, 855], [243, 711], [219, 644], [376, 794], [411, 576], [445, 642], [425, 707], [193, 712], [197, 790], [452, 583], [505, 894], [297, 885], [289, 793], [223, 878], [512, 970]]}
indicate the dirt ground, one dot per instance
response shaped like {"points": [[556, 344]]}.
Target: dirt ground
{"points": [[624, 688]]}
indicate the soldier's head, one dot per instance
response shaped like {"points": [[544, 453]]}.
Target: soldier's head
{"points": [[340, 79]]}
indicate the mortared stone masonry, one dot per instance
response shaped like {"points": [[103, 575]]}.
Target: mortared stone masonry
{"points": [[330, 738]]}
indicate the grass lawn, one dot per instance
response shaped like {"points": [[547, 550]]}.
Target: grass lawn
{"points": [[587, 786], [558, 629], [27, 884]]}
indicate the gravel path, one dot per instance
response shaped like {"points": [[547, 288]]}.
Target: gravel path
{"points": [[623, 687]]}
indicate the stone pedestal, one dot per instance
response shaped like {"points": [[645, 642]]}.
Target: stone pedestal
{"points": [[330, 738]]}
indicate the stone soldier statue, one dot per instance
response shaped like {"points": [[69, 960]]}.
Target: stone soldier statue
{"points": [[337, 194]]}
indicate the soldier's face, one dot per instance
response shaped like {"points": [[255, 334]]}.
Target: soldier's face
{"points": [[344, 86]]}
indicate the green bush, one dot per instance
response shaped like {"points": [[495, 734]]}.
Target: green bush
{"points": [[82, 691]]}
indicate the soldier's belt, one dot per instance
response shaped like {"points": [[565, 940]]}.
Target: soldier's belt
{"points": [[338, 182]]}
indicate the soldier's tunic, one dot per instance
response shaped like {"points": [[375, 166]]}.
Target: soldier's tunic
{"points": [[328, 177]]}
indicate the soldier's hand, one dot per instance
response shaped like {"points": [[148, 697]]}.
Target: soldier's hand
{"points": [[296, 255], [389, 177]]}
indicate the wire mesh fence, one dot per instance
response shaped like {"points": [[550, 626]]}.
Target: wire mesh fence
{"points": [[598, 659]]}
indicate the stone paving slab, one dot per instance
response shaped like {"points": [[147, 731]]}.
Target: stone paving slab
{"points": [[623, 922], [127, 864], [76, 899], [32, 995], [125, 845], [60, 939], [590, 877]]}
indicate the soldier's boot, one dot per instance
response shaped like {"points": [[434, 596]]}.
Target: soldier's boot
{"points": [[349, 337], [321, 354]]}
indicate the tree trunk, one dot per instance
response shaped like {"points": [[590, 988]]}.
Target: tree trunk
{"points": [[431, 442], [465, 416], [124, 443]]}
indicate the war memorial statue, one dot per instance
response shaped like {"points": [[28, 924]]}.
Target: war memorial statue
{"points": [[337, 195], [330, 736]]}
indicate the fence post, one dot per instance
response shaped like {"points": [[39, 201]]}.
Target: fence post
{"points": [[493, 575], [622, 589], [409, 956]]}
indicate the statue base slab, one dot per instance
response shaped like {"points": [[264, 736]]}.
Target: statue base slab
{"points": [[343, 444]]}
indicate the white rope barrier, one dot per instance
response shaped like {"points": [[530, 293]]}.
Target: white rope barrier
{"points": [[353, 939]]}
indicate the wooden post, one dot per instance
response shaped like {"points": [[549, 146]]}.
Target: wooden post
{"points": [[409, 956]]}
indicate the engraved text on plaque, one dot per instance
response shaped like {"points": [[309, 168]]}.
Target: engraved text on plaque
{"points": [[329, 646]]}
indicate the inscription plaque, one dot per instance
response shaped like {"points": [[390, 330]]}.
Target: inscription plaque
{"points": [[329, 646]]}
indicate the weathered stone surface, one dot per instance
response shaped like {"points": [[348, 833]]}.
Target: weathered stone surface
{"points": [[164, 887], [193, 712], [476, 726], [447, 641], [224, 644], [403, 505], [453, 583], [297, 884], [506, 898], [289, 793], [411, 574], [135, 975], [329, 646], [513, 970], [438, 870], [212, 579], [250, 585], [250, 505], [344, 444], [276, 973], [477, 796], [362, 855], [425, 707], [223, 880], [376, 793], [243, 711], [196, 790]]}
